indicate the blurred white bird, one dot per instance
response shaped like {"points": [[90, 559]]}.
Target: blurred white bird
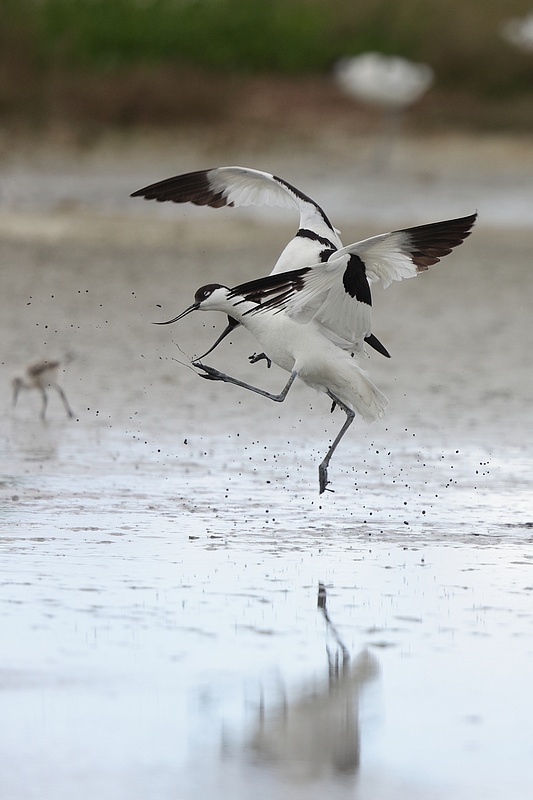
{"points": [[519, 32], [309, 320], [389, 82], [385, 81], [41, 377]]}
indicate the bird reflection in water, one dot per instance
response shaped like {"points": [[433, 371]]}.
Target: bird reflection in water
{"points": [[317, 735]]}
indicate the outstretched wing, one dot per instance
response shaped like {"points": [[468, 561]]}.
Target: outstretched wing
{"points": [[241, 186], [336, 294], [405, 253]]}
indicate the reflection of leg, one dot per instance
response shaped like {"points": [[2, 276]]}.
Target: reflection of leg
{"points": [[63, 397], [45, 403], [323, 468], [333, 664], [213, 374]]}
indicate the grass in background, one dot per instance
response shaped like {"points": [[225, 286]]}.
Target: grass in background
{"points": [[287, 36], [49, 44]]}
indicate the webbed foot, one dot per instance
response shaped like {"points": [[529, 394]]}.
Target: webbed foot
{"points": [[260, 357], [210, 373], [323, 479]]}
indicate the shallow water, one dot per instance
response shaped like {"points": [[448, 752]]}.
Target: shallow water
{"points": [[162, 553]]}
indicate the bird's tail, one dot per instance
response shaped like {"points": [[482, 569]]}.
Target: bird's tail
{"points": [[357, 391]]}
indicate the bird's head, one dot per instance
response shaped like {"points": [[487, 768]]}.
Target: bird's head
{"points": [[211, 297]]}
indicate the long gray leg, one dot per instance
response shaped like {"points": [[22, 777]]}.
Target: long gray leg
{"points": [[213, 374], [323, 468], [63, 397], [45, 403]]}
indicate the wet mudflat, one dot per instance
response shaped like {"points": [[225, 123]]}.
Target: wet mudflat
{"points": [[162, 553]]}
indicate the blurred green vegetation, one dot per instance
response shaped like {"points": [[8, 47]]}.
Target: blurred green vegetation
{"points": [[246, 35], [460, 39]]}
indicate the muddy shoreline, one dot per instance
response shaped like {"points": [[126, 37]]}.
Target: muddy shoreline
{"points": [[162, 552]]}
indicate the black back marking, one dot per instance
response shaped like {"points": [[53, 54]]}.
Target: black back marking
{"points": [[325, 255], [355, 281], [305, 233]]}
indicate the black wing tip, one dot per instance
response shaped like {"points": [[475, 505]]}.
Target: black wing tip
{"points": [[461, 227], [374, 342], [178, 188], [467, 223], [435, 240], [458, 223], [469, 218], [152, 192]]}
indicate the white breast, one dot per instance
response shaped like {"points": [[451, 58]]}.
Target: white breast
{"points": [[280, 337]]}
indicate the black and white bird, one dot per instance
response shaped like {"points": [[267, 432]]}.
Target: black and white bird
{"points": [[315, 241], [41, 377], [309, 320]]}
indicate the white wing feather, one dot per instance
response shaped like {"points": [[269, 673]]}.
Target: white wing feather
{"points": [[243, 186], [386, 257], [344, 319]]}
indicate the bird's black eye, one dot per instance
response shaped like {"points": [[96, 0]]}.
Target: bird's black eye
{"points": [[205, 291], [202, 293]]}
